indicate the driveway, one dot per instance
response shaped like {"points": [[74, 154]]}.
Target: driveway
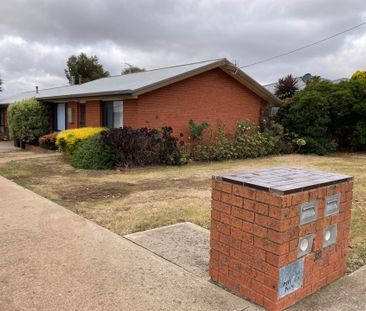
{"points": [[7, 146], [52, 259]]}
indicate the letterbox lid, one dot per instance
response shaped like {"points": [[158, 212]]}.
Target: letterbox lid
{"points": [[283, 180]]}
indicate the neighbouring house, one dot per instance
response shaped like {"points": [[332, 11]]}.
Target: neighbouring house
{"points": [[301, 82], [214, 91]]}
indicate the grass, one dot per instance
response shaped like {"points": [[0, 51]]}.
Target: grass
{"points": [[141, 199]]}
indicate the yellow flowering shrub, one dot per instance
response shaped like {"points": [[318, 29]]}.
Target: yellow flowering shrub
{"points": [[67, 140]]}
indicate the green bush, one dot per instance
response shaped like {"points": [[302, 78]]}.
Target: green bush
{"points": [[248, 142], [222, 148], [327, 116], [360, 134], [92, 153], [196, 129], [28, 120]]}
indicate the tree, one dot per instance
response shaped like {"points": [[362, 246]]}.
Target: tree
{"points": [[81, 69], [1, 82], [327, 115], [132, 69], [359, 76], [286, 87]]}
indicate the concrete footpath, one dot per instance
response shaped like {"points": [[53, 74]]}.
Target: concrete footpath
{"points": [[187, 245], [8, 146], [346, 294], [52, 259]]}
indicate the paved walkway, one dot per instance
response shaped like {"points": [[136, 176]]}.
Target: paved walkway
{"points": [[7, 146], [185, 244], [346, 294], [175, 243], [27, 155], [52, 259]]}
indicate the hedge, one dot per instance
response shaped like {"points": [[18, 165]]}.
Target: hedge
{"points": [[28, 120]]}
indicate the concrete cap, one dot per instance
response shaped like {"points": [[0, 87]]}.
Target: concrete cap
{"points": [[282, 180]]}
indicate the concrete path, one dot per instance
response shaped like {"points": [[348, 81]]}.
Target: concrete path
{"points": [[346, 294], [52, 259], [186, 245], [26, 156], [7, 146], [174, 243]]}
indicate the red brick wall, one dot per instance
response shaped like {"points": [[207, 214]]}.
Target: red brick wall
{"points": [[93, 111], [212, 96], [75, 107], [255, 233]]}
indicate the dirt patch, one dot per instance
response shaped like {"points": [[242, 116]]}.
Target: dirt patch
{"points": [[114, 190]]}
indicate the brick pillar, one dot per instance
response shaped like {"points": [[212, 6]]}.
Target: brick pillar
{"points": [[279, 234]]}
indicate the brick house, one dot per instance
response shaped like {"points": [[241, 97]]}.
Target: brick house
{"points": [[214, 91]]}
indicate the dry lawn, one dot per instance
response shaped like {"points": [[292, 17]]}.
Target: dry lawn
{"points": [[141, 199]]}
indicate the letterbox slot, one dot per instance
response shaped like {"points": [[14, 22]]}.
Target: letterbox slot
{"points": [[332, 205], [308, 212]]}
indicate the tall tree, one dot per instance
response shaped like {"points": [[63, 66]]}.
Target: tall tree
{"points": [[359, 76], [1, 82], [81, 69], [132, 69], [286, 87]]}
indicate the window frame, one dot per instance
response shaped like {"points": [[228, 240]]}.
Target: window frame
{"points": [[108, 114], [82, 115]]}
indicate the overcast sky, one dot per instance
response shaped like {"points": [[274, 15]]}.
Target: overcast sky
{"points": [[37, 36]]}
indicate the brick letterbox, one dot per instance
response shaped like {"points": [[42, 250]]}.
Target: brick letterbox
{"points": [[279, 234]]}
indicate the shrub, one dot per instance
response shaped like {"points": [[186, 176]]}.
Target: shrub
{"points": [[248, 142], [140, 147], [172, 151], [327, 116], [92, 153], [360, 134], [28, 120], [222, 148], [196, 129], [48, 141], [67, 140]]}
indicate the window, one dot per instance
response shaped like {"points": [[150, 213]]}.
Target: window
{"points": [[70, 115], [82, 116], [113, 114], [61, 117]]}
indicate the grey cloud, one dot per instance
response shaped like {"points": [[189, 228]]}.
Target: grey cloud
{"points": [[154, 33]]}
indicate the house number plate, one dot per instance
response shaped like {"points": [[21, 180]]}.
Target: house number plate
{"points": [[291, 277]]}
